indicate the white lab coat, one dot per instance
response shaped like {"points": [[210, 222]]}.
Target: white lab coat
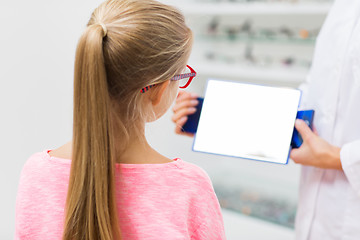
{"points": [[329, 201]]}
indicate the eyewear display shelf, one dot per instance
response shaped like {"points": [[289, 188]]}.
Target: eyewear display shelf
{"points": [[266, 42], [251, 8]]}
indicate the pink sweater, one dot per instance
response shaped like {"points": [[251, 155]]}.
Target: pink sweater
{"points": [[155, 201]]}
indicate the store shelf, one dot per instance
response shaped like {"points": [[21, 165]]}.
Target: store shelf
{"points": [[225, 8], [295, 75], [256, 39]]}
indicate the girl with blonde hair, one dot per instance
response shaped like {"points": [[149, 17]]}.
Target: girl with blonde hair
{"points": [[108, 183]]}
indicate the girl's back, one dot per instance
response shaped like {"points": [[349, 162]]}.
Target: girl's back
{"points": [[172, 200]]}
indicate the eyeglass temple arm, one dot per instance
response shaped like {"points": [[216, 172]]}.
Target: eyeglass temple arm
{"points": [[191, 78]]}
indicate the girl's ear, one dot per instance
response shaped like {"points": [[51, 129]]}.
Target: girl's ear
{"points": [[158, 92]]}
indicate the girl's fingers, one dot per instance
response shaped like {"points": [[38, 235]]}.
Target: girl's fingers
{"points": [[183, 112], [185, 104], [182, 95]]}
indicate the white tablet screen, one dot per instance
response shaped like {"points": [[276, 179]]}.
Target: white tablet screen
{"points": [[247, 121]]}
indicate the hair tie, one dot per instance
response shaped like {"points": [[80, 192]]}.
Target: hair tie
{"points": [[104, 29]]}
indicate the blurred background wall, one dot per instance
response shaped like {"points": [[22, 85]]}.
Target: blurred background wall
{"points": [[264, 42]]}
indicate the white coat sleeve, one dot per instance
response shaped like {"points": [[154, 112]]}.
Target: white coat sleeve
{"points": [[304, 91], [350, 160]]}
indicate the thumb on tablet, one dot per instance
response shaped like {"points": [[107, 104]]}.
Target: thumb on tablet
{"points": [[303, 129]]}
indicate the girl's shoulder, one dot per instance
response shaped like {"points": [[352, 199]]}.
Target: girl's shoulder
{"points": [[34, 162], [41, 166], [193, 168], [195, 173]]}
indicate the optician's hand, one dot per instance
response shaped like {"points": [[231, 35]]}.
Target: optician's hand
{"points": [[315, 151], [185, 105]]}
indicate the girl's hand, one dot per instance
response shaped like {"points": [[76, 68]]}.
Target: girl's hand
{"points": [[185, 105], [315, 151]]}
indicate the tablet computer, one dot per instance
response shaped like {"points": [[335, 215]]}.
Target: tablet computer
{"points": [[247, 121]]}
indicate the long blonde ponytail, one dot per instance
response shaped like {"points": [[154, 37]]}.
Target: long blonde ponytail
{"points": [[92, 169]]}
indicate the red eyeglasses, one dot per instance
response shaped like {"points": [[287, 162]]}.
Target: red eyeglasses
{"points": [[185, 78]]}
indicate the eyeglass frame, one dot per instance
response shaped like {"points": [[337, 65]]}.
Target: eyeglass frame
{"points": [[178, 77]]}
